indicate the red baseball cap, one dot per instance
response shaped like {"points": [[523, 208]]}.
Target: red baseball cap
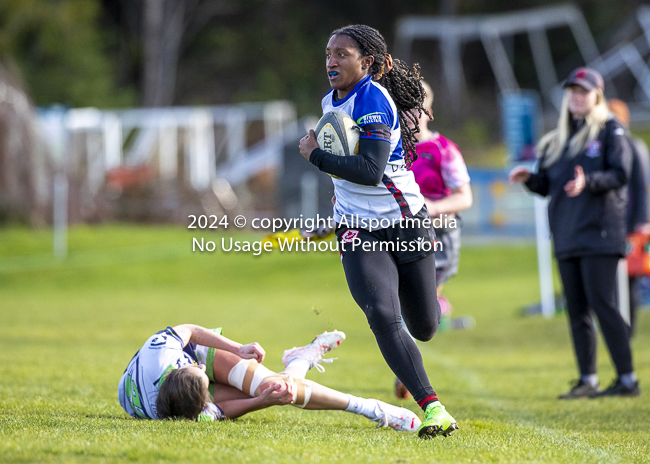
{"points": [[587, 78]]}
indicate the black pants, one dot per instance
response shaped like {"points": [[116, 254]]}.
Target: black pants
{"points": [[634, 301], [590, 286], [388, 290]]}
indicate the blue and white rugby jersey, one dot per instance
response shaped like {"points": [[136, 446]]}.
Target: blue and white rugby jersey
{"points": [[138, 387], [398, 195]]}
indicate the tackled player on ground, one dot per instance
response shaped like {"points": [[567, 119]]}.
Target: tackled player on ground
{"points": [[191, 372]]}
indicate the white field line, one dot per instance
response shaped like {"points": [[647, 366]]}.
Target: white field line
{"points": [[475, 384]]}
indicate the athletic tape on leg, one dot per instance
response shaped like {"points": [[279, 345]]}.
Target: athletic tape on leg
{"points": [[247, 375], [301, 390]]}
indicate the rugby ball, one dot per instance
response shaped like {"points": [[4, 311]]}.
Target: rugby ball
{"points": [[337, 133]]}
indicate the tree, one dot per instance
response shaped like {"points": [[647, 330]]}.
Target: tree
{"points": [[169, 25], [60, 51]]}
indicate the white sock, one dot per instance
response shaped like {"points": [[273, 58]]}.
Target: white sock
{"points": [[629, 380], [299, 367], [591, 379], [364, 406]]}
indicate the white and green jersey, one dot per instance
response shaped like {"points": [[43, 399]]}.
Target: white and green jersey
{"points": [[162, 352]]}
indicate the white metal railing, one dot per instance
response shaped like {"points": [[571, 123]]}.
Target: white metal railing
{"points": [[100, 140]]}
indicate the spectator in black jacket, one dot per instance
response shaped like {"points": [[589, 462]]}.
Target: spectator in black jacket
{"points": [[637, 204], [584, 167]]}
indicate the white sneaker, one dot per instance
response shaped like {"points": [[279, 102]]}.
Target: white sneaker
{"points": [[315, 351], [400, 419]]}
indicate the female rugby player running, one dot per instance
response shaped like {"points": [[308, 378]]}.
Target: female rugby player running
{"points": [[379, 94], [191, 372]]}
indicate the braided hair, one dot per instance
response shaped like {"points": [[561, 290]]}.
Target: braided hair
{"points": [[402, 83]]}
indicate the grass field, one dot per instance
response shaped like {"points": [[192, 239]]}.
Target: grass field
{"points": [[69, 328]]}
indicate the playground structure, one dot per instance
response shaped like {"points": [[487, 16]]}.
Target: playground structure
{"points": [[192, 148], [629, 56], [194, 142]]}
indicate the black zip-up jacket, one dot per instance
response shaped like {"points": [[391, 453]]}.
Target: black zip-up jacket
{"points": [[637, 208], [592, 223]]}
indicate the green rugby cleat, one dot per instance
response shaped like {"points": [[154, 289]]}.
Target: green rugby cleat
{"points": [[437, 421]]}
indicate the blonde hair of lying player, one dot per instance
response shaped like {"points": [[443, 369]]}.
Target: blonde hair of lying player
{"points": [[244, 385]]}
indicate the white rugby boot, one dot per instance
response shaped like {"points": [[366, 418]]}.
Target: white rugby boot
{"points": [[400, 419], [314, 352]]}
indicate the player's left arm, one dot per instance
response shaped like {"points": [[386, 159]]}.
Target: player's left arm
{"points": [[191, 333], [365, 168], [460, 199]]}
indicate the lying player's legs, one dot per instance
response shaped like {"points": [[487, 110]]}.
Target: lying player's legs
{"points": [[299, 360], [222, 392], [253, 378], [321, 397]]}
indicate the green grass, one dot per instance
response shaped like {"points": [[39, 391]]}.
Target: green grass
{"points": [[70, 327]]}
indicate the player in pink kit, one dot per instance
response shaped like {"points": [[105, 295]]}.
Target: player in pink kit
{"points": [[441, 173]]}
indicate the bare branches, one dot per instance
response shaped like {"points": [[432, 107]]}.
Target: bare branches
{"points": [[168, 27]]}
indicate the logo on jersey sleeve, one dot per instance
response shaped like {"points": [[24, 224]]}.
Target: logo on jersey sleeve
{"points": [[159, 340], [373, 118]]}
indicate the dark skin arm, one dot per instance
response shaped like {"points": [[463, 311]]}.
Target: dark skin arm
{"points": [[308, 144], [365, 168]]}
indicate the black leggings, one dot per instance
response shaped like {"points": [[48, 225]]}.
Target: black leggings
{"points": [[590, 285], [387, 292]]}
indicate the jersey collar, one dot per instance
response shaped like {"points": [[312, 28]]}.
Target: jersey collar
{"points": [[352, 92]]}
